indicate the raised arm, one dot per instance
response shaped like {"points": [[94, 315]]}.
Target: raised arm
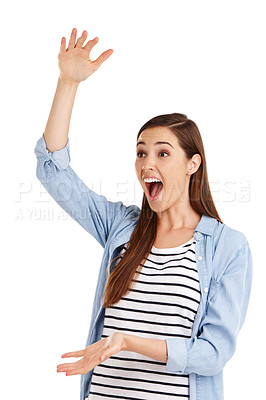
{"points": [[92, 211], [75, 66]]}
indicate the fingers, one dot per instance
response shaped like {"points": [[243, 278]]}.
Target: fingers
{"points": [[79, 367], [63, 45], [88, 46], [71, 368], [72, 40], [103, 357], [102, 58], [77, 372], [65, 367], [91, 358], [82, 39], [79, 353]]}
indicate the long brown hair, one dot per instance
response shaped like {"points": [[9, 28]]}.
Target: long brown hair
{"points": [[144, 233]]}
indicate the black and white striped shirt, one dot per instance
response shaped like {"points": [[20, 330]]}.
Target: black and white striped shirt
{"points": [[162, 303]]}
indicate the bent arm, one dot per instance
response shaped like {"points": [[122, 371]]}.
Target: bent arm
{"points": [[207, 353]]}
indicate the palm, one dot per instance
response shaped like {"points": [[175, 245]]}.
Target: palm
{"points": [[74, 62], [91, 355]]}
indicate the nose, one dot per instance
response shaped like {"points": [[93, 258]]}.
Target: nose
{"points": [[148, 164]]}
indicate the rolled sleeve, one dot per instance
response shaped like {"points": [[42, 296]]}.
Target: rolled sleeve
{"points": [[177, 355], [61, 158]]}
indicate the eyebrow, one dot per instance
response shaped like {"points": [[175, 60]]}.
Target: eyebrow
{"points": [[141, 142]]}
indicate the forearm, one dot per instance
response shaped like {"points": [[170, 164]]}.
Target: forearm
{"points": [[153, 348], [57, 127]]}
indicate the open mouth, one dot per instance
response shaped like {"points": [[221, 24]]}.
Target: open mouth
{"points": [[154, 189]]}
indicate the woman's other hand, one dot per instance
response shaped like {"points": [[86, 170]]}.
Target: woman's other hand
{"points": [[92, 355], [74, 62]]}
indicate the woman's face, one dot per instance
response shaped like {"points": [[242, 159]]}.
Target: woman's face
{"points": [[158, 155]]}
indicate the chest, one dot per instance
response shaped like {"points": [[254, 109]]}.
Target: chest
{"points": [[164, 296], [173, 239]]}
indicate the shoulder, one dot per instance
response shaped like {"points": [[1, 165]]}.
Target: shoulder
{"points": [[228, 245], [221, 233], [229, 236]]}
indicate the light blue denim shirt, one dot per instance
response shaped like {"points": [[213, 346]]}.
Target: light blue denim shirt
{"points": [[224, 265]]}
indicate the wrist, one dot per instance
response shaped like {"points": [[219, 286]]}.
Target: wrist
{"points": [[68, 82], [125, 343]]}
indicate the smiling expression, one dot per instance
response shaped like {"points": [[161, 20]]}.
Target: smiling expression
{"points": [[158, 155]]}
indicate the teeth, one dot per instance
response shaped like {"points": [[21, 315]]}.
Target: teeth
{"points": [[149, 180]]}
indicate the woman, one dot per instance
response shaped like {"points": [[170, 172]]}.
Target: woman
{"points": [[174, 283]]}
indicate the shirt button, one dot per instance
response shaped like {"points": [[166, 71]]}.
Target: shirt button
{"points": [[205, 289], [199, 233], [199, 258]]}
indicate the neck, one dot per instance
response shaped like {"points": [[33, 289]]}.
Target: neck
{"points": [[175, 218]]}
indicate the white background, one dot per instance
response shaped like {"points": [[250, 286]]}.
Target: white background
{"points": [[202, 58]]}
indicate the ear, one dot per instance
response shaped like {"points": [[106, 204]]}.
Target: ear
{"points": [[193, 164]]}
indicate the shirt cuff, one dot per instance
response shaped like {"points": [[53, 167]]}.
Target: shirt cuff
{"points": [[177, 355], [61, 158]]}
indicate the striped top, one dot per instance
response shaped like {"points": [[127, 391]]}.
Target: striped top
{"points": [[162, 303]]}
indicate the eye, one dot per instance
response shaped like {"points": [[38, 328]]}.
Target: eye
{"points": [[164, 152], [139, 154]]}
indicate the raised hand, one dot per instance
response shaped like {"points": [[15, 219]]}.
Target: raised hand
{"points": [[92, 355], [74, 62]]}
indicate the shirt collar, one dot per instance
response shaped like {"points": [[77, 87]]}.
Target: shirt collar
{"points": [[206, 225]]}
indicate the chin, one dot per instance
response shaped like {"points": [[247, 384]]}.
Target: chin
{"points": [[156, 206]]}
